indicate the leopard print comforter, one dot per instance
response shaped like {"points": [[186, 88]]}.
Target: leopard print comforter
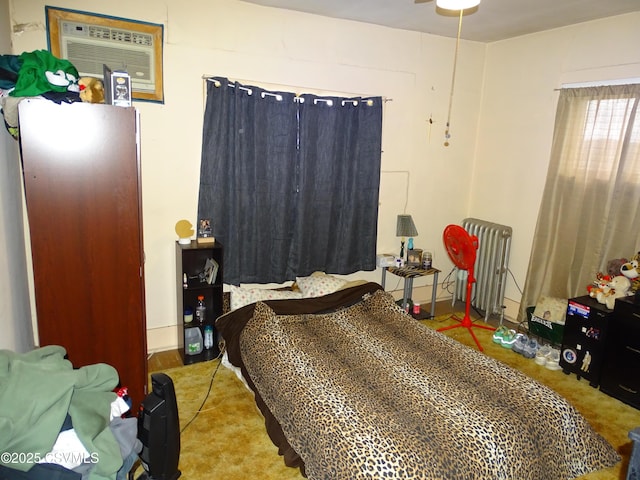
{"points": [[368, 393]]}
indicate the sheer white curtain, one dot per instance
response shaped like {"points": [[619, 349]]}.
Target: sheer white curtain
{"points": [[590, 211]]}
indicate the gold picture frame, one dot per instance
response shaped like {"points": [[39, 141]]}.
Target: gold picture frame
{"points": [[90, 41]]}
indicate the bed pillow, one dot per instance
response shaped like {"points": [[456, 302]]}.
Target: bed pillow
{"points": [[319, 284], [241, 296]]}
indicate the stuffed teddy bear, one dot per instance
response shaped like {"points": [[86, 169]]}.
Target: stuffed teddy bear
{"points": [[91, 90], [617, 287]]}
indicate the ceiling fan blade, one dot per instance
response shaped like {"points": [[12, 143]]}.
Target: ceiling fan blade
{"points": [[421, 1]]}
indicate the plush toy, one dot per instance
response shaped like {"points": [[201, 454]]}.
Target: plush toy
{"points": [[614, 266], [617, 287], [631, 270], [91, 90], [599, 286]]}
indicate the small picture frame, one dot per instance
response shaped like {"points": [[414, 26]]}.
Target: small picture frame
{"points": [[205, 233], [117, 86], [414, 257], [204, 228]]}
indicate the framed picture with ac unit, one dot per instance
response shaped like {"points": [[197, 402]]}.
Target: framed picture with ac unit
{"points": [[90, 41]]}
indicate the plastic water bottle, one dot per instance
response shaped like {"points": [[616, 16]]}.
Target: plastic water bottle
{"points": [[208, 337], [193, 341], [201, 310]]}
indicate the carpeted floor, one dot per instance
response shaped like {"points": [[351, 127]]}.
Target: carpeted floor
{"points": [[227, 439]]}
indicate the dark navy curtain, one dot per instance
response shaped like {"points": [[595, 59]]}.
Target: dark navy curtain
{"points": [[290, 183]]}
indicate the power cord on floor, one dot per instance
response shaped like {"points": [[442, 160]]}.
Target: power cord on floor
{"points": [[213, 376]]}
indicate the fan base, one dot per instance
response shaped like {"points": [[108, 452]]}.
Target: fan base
{"points": [[469, 325]]}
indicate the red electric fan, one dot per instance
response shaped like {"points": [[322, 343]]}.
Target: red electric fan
{"points": [[461, 247]]}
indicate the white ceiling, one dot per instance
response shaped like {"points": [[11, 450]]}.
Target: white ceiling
{"points": [[492, 20]]}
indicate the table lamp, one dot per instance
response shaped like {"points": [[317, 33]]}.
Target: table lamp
{"points": [[405, 228]]}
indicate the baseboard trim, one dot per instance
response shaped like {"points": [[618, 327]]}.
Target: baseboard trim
{"points": [[162, 338]]}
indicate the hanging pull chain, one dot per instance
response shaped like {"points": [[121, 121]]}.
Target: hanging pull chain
{"points": [[447, 135]]}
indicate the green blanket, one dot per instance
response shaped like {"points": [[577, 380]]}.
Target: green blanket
{"points": [[37, 390]]}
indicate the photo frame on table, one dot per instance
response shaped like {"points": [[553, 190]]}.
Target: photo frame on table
{"points": [[414, 257]]}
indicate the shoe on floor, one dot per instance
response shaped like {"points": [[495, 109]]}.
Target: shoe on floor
{"points": [[520, 344], [499, 334], [553, 360], [508, 339], [541, 354], [531, 348]]}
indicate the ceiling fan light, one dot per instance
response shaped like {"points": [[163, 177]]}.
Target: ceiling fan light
{"points": [[456, 4]]}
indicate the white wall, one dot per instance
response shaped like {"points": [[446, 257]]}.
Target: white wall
{"points": [[303, 53], [15, 315], [439, 185], [520, 94]]}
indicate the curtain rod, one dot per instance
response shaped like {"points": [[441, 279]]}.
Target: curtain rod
{"points": [[297, 87], [600, 83]]}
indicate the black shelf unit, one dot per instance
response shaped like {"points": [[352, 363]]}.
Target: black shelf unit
{"points": [[584, 339], [190, 261]]}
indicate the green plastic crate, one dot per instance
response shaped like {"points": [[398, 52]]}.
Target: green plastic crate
{"points": [[543, 328]]}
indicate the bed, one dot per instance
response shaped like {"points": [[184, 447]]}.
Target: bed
{"points": [[351, 387]]}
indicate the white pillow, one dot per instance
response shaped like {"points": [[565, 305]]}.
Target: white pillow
{"points": [[241, 296], [319, 284]]}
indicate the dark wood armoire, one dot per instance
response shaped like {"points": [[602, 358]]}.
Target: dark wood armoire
{"points": [[82, 182]]}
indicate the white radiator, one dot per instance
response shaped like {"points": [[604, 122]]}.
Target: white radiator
{"points": [[490, 269]]}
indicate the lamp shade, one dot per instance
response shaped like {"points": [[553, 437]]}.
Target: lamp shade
{"points": [[457, 4], [405, 227]]}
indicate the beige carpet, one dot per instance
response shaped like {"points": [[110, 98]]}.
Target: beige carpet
{"points": [[227, 439]]}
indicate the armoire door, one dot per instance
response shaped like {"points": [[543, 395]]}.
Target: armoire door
{"points": [[82, 183]]}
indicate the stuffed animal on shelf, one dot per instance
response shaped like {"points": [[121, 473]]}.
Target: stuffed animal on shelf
{"points": [[631, 270], [600, 284], [614, 266], [617, 287], [91, 90]]}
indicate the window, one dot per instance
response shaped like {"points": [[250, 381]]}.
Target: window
{"points": [[290, 182], [591, 204]]}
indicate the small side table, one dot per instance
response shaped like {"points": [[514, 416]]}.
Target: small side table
{"points": [[409, 273]]}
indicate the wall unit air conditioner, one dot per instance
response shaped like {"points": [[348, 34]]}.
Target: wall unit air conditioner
{"points": [[89, 47]]}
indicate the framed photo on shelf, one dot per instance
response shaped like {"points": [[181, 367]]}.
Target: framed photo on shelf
{"points": [[205, 233], [414, 257]]}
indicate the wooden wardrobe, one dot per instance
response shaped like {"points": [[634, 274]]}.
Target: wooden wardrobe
{"points": [[82, 181]]}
